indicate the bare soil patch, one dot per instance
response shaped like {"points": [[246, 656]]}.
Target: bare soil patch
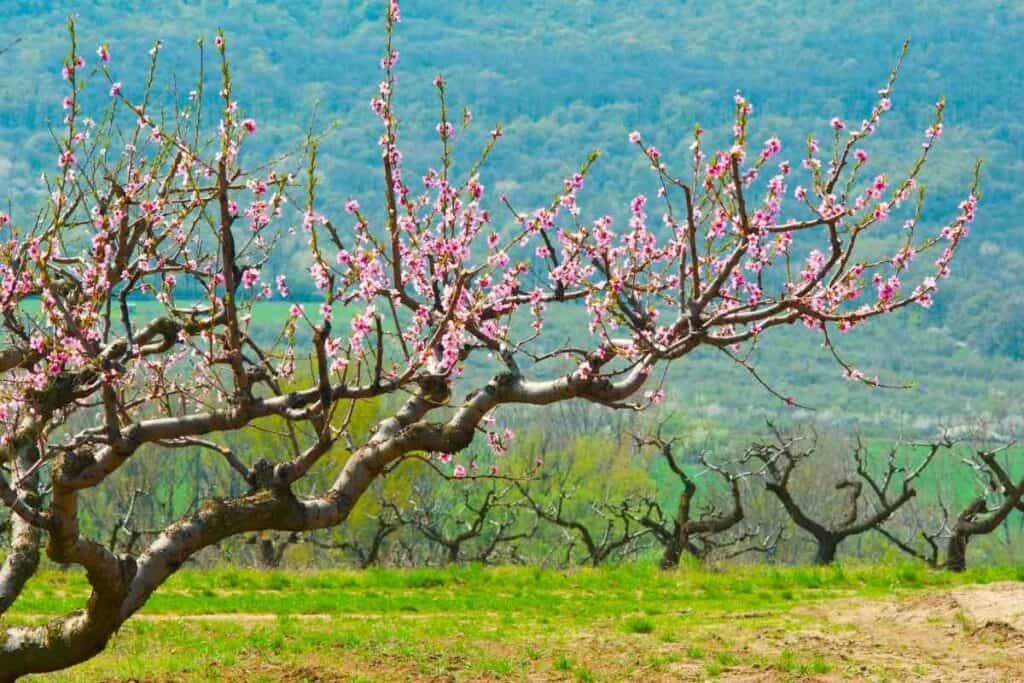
{"points": [[973, 634]]}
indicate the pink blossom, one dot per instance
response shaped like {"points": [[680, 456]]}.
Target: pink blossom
{"points": [[250, 277], [655, 397], [446, 130], [772, 146]]}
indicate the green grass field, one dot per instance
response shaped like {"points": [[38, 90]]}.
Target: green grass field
{"points": [[475, 623]]}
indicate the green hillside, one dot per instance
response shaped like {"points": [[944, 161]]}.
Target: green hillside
{"points": [[565, 77]]}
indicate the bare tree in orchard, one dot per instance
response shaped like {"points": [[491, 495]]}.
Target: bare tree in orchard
{"points": [[999, 496], [366, 549], [153, 195], [856, 510], [271, 548], [474, 524], [603, 530], [698, 533]]}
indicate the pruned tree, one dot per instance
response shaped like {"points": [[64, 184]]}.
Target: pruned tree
{"points": [[856, 513], [605, 530], [367, 551], [478, 525], [1000, 496], [153, 197], [271, 547], [697, 533]]}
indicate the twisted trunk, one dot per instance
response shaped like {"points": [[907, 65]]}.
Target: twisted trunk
{"points": [[23, 559], [67, 640], [680, 536], [120, 589], [121, 586], [972, 523]]}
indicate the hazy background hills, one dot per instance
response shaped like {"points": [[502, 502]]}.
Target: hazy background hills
{"points": [[565, 77]]}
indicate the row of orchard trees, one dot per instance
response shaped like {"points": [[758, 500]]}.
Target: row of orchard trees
{"points": [[576, 489], [793, 496]]}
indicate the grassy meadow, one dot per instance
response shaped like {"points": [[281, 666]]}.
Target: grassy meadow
{"points": [[475, 623]]}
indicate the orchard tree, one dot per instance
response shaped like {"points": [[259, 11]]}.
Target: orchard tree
{"points": [[701, 532], [604, 530], [471, 524], [852, 511], [999, 495], [103, 361]]}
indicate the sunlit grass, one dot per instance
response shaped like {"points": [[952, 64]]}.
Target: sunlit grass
{"points": [[463, 622], [622, 589]]}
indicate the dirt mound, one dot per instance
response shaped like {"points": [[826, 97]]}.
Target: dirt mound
{"points": [[973, 634], [971, 608], [994, 603], [998, 633]]}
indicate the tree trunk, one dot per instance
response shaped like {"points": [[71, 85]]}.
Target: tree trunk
{"points": [[670, 558], [63, 642], [826, 553], [267, 555], [674, 548], [122, 587], [956, 551], [23, 558], [675, 545]]}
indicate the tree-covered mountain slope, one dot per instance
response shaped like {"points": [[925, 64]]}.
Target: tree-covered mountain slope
{"points": [[565, 77]]}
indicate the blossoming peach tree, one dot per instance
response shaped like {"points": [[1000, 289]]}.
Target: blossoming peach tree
{"points": [[141, 202]]}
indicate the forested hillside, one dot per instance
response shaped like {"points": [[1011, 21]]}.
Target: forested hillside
{"points": [[565, 77]]}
